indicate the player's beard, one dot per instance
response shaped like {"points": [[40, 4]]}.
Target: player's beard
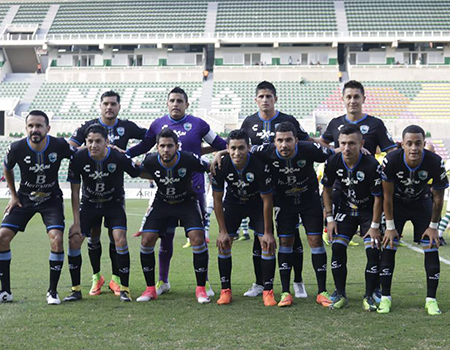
{"points": [[36, 140], [170, 159]]}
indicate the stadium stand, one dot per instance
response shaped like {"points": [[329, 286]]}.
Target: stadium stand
{"points": [[31, 13], [10, 89]]}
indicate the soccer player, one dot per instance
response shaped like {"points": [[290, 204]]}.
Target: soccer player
{"points": [[39, 157], [101, 170], [248, 194], [296, 193], [360, 206], [191, 132], [261, 129], [119, 133], [175, 201], [407, 196]]}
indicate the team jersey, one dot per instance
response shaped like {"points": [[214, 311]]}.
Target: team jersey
{"points": [[38, 170], [175, 183], [243, 186], [373, 129], [412, 184], [359, 184], [263, 131], [102, 179], [191, 132], [119, 134], [294, 179]]}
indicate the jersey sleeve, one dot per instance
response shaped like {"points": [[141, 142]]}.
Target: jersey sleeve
{"points": [[376, 188], [145, 145], [385, 140], [265, 180], [261, 151], [74, 172], [218, 180], [320, 153], [440, 180], [211, 137], [198, 164], [136, 132], [10, 158], [327, 135], [388, 171], [79, 134], [129, 166], [67, 151], [302, 135], [329, 175], [146, 164]]}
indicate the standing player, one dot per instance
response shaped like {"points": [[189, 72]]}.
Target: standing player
{"points": [[296, 193], [407, 196], [101, 169], [175, 201], [261, 129], [119, 133], [191, 132], [360, 205], [249, 194], [39, 158]]}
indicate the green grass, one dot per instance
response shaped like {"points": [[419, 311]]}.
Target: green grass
{"points": [[176, 320]]}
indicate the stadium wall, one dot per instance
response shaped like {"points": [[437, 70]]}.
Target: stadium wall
{"points": [[401, 73]]}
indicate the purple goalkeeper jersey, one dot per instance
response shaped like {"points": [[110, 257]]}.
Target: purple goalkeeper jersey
{"points": [[191, 132]]}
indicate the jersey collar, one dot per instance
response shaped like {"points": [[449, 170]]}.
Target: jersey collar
{"points": [[107, 126], [161, 163], [357, 163], [268, 121], [177, 121], [101, 160], [39, 152], [281, 157], [245, 166], [357, 121], [417, 167]]}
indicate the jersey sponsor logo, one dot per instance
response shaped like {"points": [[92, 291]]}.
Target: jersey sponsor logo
{"points": [[187, 126], [52, 157], [182, 172], [121, 131], [364, 129], [98, 175], [301, 163], [169, 180], [27, 159], [255, 127], [240, 184], [250, 177], [360, 176], [111, 167], [265, 134], [230, 177], [423, 174]]}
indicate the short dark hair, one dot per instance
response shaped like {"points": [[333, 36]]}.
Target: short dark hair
{"points": [[97, 129], [265, 85], [350, 129], [353, 84], [110, 93], [178, 90], [238, 134], [39, 113], [413, 129], [166, 132], [286, 127]]}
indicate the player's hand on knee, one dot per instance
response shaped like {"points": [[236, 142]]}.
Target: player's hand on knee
{"points": [[268, 243], [389, 237], [74, 229], [13, 202], [433, 235], [223, 241], [331, 230], [375, 237]]}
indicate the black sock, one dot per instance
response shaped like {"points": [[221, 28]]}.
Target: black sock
{"points": [[285, 259], [268, 264], [75, 262], [123, 262], [56, 260], [200, 263], [113, 258], [257, 261], [372, 270], [387, 265], [225, 265], [339, 267], [95, 253], [5, 264], [148, 265], [298, 258], [319, 262], [432, 268]]}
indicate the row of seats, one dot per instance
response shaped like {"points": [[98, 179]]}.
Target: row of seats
{"points": [[31, 13]]}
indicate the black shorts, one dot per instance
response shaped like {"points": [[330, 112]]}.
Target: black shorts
{"points": [[347, 225], [311, 213], [235, 213], [419, 212], [163, 215], [91, 216], [52, 213]]}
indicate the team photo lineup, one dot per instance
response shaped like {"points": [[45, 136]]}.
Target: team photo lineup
{"points": [[353, 179]]}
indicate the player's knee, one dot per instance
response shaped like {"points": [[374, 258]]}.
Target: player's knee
{"points": [[315, 241], [196, 237], [96, 231], [121, 240], [56, 242], [287, 241], [149, 239], [6, 235]]}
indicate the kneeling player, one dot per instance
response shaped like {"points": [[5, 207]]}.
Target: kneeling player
{"points": [[360, 206], [407, 196], [175, 200], [249, 194], [101, 168]]}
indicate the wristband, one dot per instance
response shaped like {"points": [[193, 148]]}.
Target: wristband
{"points": [[434, 225], [375, 225], [330, 218], [390, 225]]}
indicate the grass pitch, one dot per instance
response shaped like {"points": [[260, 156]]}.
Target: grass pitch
{"points": [[177, 321]]}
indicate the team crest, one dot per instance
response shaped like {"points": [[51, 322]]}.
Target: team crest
{"points": [[364, 129], [250, 177], [121, 131], [276, 125], [301, 163], [187, 126], [182, 172], [112, 167], [423, 174], [52, 157], [360, 176]]}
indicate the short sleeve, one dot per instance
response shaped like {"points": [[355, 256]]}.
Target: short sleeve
{"points": [[73, 173], [385, 139], [265, 182], [136, 132], [375, 180], [329, 175], [218, 180], [10, 159], [387, 173], [129, 166], [440, 180], [79, 135]]}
